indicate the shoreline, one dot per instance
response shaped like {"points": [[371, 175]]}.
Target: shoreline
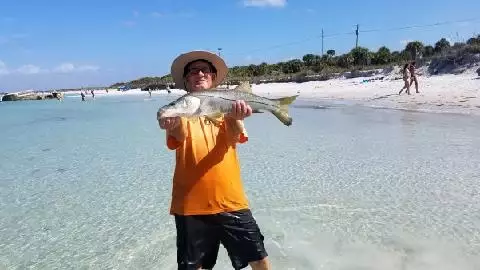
{"points": [[448, 93]]}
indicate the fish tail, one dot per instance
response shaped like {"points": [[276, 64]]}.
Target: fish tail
{"points": [[282, 112]]}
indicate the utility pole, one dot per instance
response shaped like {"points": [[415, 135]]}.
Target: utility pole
{"points": [[219, 54], [322, 41], [356, 33]]}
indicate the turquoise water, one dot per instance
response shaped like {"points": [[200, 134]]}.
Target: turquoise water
{"points": [[86, 185]]}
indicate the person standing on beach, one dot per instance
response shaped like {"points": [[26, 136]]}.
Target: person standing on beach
{"points": [[406, 79], [208, 202], [83, 95], [413, 76]]}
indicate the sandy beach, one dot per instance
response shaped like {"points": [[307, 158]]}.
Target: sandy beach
{"points": [[439, 93]]}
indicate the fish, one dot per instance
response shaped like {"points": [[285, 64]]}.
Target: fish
{"points": [[215, 103]]}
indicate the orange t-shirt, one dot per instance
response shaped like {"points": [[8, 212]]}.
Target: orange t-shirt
{"points": [[207, 176]]}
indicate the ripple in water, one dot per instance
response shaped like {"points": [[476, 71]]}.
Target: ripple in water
{"points": [[343, 188]]}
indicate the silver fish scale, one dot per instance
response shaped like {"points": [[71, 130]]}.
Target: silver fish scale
{"points": [[222, 100]]}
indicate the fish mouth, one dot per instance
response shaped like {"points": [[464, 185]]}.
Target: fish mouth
{"points": [[162, 113]]}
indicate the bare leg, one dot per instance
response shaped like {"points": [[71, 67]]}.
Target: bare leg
{"points": [[404, 87], [414, 79], [262, 264]]}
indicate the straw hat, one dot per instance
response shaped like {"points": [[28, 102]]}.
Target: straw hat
{"points": [[182, 60]]}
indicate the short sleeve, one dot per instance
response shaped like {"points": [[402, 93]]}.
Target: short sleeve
{"points": [[237, 133], [243, 137], [172, 143]]}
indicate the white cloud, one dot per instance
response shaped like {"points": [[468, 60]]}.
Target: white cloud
{"points": [[263, 3], [180, 14], [19, 36], [64, 68], [3, 68], [286, 59], [464, 24], [12, 38], [3, 40], [29, 69], [157, 14], [69, 68], [87, 68], [130, 23]]}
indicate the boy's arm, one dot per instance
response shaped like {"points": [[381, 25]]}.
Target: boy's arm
{"points": [[176, 135], [236, 130]]}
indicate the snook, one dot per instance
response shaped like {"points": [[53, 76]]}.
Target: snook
{"points": [[215, 103]]}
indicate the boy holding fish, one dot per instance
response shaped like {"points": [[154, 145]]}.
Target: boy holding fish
{"points": [[208, 199]]}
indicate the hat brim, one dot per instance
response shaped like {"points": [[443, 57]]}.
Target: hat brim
{"points": [[182, 60]]}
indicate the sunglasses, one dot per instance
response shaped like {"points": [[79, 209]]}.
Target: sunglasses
{"points": [[204, 70]]}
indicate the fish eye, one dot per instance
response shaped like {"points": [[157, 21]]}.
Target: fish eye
{"points": [[171, 104]]}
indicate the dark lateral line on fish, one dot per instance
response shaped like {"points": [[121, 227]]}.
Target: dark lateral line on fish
{"points": [[235, 99]]}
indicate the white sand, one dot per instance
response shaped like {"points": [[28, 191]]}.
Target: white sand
{"points": [[440, 93]]}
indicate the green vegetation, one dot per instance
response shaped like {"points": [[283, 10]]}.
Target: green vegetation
{"points": [[145, 82], [317, 67]]}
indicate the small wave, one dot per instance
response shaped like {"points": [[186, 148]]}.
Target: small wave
{"points": [[314, 107]]}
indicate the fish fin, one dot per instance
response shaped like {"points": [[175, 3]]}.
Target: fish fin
{"points": [[282, 112], [214, 118], [193, 119], [244, 87]]}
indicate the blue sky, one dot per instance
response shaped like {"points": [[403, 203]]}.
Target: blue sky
{"points": [[58, 44]]}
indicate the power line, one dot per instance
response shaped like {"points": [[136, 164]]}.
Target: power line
{"points": [[294, 42], [418, 26], [356, 32]]}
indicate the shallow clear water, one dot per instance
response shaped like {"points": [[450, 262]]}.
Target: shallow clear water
{"points": [[87, 186]]}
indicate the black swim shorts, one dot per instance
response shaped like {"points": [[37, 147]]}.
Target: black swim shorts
{"points": [[199, 238]]}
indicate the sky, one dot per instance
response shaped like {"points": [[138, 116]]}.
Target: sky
{"points": [[53, 44]]}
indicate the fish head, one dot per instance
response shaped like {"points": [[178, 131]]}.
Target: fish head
{"points": [[184, 106]]}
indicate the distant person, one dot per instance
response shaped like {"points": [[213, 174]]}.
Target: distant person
{"points": [[150, 92], [406, 78], [83, 95], [93, 93], [413, 76]]}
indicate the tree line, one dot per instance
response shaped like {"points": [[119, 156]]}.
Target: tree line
{"points": [[313, 64]]}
